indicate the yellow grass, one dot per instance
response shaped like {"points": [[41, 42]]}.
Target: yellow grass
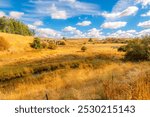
{"points": [[68, 73]]}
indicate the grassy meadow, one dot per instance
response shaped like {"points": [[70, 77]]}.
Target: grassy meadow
{"points": [[99, 73]]}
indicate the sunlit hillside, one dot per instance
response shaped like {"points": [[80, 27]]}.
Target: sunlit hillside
{"points": [[17, 42]]}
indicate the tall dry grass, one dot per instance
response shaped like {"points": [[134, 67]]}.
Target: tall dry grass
{"points": [[68, 73]]}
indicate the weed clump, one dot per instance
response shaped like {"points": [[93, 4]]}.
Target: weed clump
{"points": [[84, 48]]}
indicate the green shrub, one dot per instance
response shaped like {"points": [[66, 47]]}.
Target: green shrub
{"points": [[52, 46], [36, 43], [122, 49], [4, 45], [84, 48], [138, 50]]}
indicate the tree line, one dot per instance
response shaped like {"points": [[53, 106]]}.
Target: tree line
{"points": [[9, 25]]}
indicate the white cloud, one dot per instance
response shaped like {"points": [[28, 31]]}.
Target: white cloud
{"points": [[145, 24], [146, 14], [143, 2], [16, 15], [38, 23], [144, 32], [113, 25], [94, 33], [2, 14], [127, 12], [59, 9], [69, 30], [47, 32], [84, 23], [123, 34], [32, 26], [57, 14]]}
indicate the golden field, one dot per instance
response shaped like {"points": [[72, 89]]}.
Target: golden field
{"points": [[68, 73]]}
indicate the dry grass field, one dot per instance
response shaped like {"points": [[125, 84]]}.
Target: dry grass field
{"points": [[99, 73]]}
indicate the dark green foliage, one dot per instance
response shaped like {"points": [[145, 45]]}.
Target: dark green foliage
{"points": [[9, 25], [36, 43], [84, 48], [122, 49], [138, 50], [90, 40]]}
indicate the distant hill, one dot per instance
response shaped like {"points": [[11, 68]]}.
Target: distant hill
{"points": [[9, 25]]}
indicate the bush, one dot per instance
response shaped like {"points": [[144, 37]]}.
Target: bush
{"points": [[52, 46], [84, 48], [44, 45], [36, 43], [138, 50], [4, 45], [122, 49], [90, 40], [62, 43]]}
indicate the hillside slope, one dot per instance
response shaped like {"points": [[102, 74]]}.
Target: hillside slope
{"points": [[17, 42]]}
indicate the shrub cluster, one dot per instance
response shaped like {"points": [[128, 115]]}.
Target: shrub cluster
{"points": [[4, 45], [38, 44], [137, 50]]}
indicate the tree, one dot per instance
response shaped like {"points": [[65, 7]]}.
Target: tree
{"points": [[13, 26]]}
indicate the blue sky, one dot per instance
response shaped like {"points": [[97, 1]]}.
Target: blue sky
{"points": [[81, 18]]}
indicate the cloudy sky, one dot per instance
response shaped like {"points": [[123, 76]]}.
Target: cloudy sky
{"points": [[81, 18]]}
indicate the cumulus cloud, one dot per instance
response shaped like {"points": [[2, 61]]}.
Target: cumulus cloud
{"points": [[38, 23], [47, 32], [113, 25], [84, 23], [72, 31], [146, 14], [123, 34], [94, 33], [144, 32], [63, 9], [16, 15], [127, 12], [145, 24], [69, 29], [2, 14], [57, 14], [32, 27]]}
